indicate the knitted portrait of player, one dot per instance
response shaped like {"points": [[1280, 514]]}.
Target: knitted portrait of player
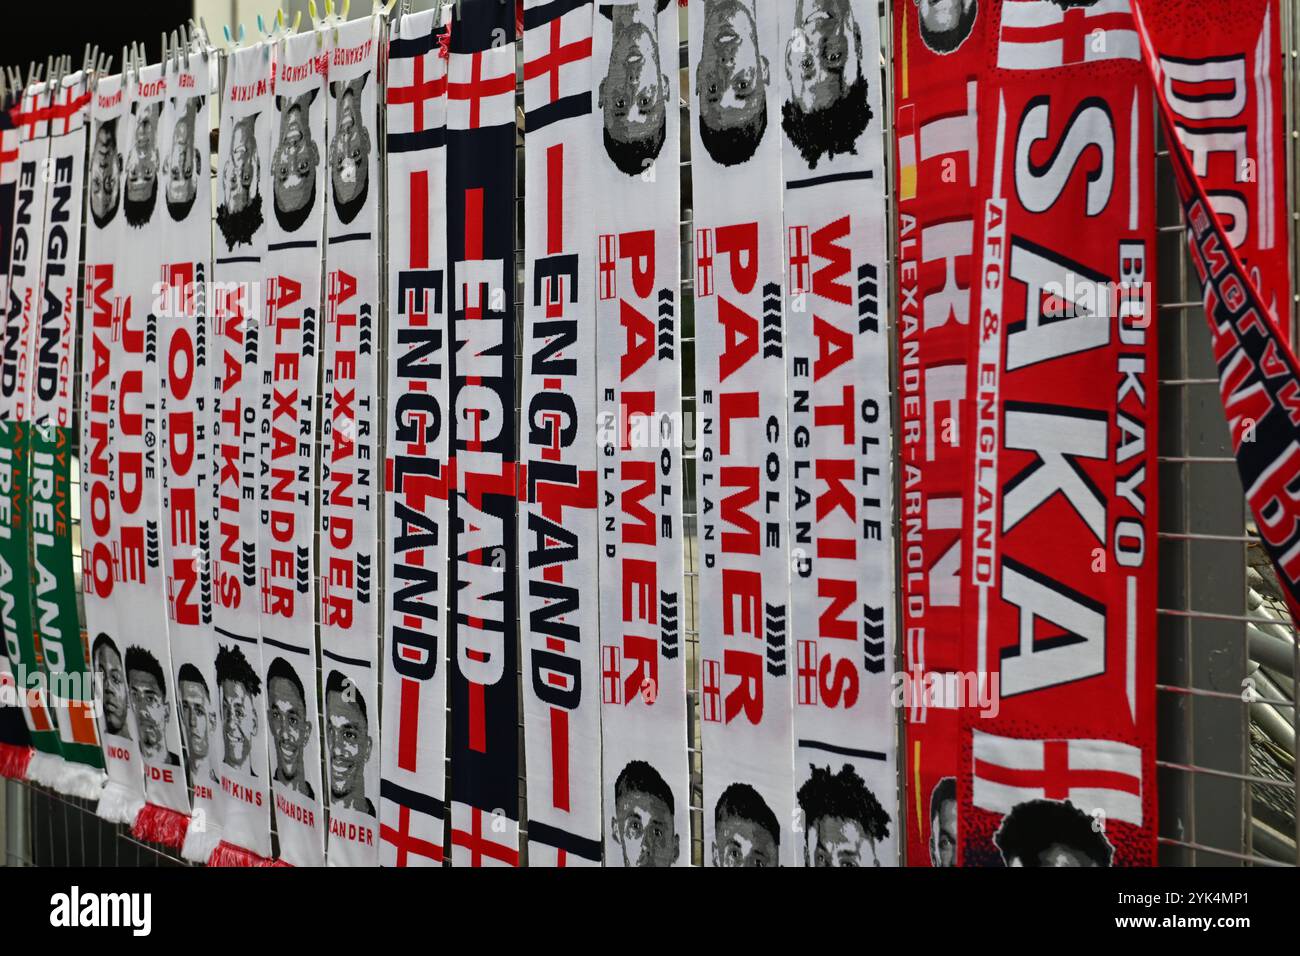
{"points": [[110, 674], [731, 81], [105, 173], [945, 24], [241, 691], [286, 713], [181, 161], [943, 823], [349, 149], [140, 191], [643, 825], [635, 94], [745, 830], [827, 109], [149, 706], [843, 822], [1051, 833], [295, 159], [349, 743], [239, 204], [198, 720]]}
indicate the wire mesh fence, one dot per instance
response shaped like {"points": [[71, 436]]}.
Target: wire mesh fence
{"points": [[1227, 654]]}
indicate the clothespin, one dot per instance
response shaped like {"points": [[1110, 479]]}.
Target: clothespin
{"points": [[237, 41], [329, 21], [199, 33]]}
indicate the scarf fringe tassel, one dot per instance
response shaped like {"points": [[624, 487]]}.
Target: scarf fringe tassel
{"points": [[161, 825]]}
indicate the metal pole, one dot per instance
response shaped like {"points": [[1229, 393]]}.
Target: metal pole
{"points": [[17, 834]]}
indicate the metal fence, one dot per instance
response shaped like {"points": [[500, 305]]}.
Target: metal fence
{"points": [[1227, 655]]}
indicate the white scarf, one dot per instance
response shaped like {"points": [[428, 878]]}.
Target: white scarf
{"points": [[558, 586], [645, 771], [139, 595], [243, 206], [841, 588], [185, 186], [106, 301], [418, 479], [746, 665], [350, 479], [289, 341]]}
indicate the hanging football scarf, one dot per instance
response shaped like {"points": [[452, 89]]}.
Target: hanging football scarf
{"points": [[139, 593], [645, 770], [53, 334], [243, 170], [185, 186], [841, 586], [47, 765], [418, 473], [287, 445], [15, 742], [557, 514], [741, 403], [483, 592], [1062, 770], [106, 307], [1221, 76], [349, 481], [1259, 377], [938, 56]]}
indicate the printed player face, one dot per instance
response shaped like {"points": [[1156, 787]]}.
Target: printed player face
{"points": [[643, 827], [105, 171], [940, 16], [197, 720], [350, 150], [239, 176], [943, 835], [293, 167], [289, 728], [142, 160], [836, 841], [822, 58], [349, 747], [634, 92], [1058, 854], [740, 842], [112, 678], [181, 166], [731, 77], [149, 704], [238, 722]]}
